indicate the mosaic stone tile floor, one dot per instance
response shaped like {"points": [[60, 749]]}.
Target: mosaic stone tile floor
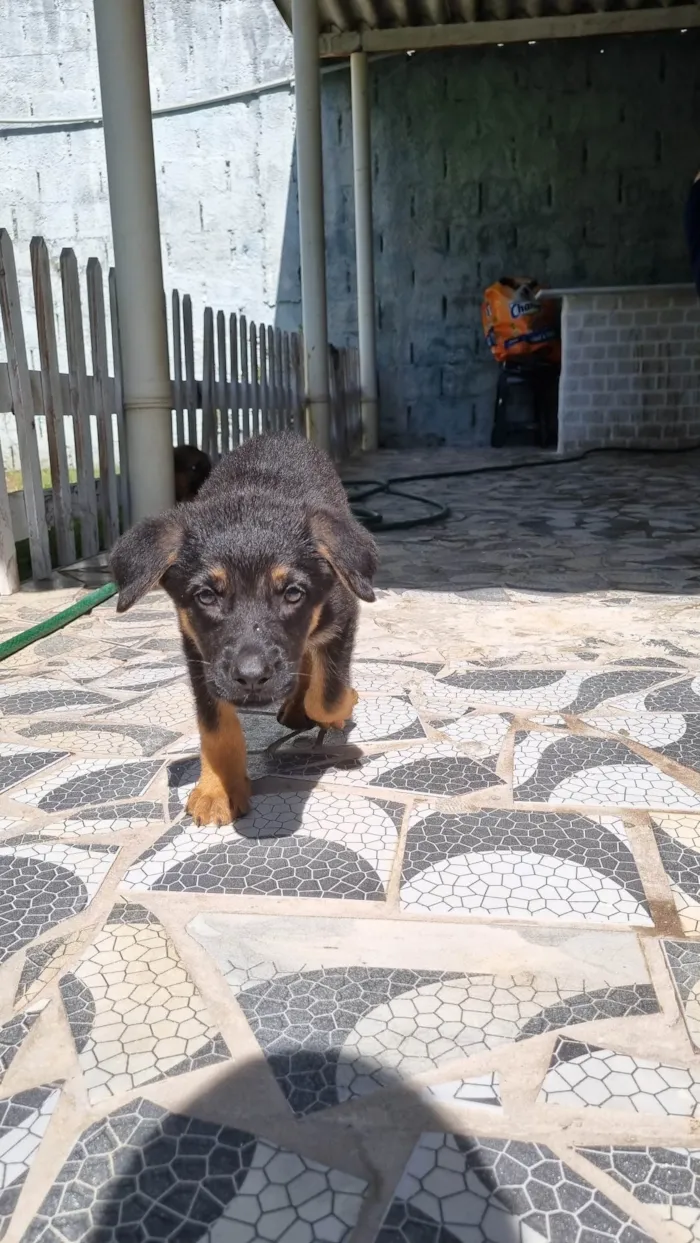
{"points": [[442, 983]]}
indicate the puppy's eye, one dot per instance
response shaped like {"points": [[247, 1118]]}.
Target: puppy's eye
{"points": [[206, 597], [294, 594]]}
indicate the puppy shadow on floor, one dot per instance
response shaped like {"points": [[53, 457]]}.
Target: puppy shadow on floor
{"points": [[297, 839]]}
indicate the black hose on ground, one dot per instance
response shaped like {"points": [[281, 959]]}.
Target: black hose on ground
{"points": [[374, 520]]}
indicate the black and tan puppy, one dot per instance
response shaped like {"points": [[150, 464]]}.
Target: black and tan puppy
{"points": [[192, 469], [264, 567]]}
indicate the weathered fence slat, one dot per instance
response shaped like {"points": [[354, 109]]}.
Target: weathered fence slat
{"points": [[344, 403], [190, 381], [52, 400], [223, 387], [274, 380], [264, 385], [100, 372], [287, 382], [255, 382], [333, 395], [245, 380], [80, 403], [276, 337], [273, 348], [285, 407], [252, 382], [177, 371], [297, 355], [269, 344], [9, 570], [124, 498], [209, 444], [22, 404], [235, 384], [357, 403]]}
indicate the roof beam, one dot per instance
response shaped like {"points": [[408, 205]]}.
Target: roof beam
{"points": [[367, 12], [332, 13], [513, 30], [436, 11], [399, 8], [467, 10]]}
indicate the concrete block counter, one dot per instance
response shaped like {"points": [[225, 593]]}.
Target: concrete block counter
{"points": [[630, 372]]}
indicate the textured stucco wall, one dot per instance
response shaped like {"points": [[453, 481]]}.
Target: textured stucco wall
{"points": [[559, 160], [223, 172]]}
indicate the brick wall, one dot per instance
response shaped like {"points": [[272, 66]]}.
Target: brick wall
{"points": [[569, 161], [630, 370]]}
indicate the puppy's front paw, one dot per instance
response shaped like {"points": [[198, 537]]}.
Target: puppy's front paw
{"points": [[338, 716], [350, 700], [293, 716], [211, 803]]}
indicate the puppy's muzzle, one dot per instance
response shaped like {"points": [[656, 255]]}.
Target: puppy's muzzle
{"points": [[251, 675]]}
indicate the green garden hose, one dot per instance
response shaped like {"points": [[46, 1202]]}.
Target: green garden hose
{"points": [[57, 622]]}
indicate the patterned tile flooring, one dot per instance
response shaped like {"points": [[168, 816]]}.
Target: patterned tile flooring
{"points": [[440, 985]]}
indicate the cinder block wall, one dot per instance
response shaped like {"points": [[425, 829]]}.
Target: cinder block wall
{"points": [[631, 374], [569, 161]]}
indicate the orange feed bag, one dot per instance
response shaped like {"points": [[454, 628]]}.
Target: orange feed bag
{"points": [[517, 325]]}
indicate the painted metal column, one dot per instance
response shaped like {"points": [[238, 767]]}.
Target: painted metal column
{"points": [[307, 88], [133, 202], [364, 250]]}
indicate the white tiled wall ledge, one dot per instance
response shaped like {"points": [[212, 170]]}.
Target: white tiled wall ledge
{"points": [[613, 290]]}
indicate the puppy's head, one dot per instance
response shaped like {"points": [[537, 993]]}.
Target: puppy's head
{"points": [[192, 469], [249, 590]]}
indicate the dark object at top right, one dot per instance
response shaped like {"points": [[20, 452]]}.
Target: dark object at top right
{"points": [[192, 469]]}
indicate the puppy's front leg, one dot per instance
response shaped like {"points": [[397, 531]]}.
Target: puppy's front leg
{"points": [[329, 699], [292, 714], [223, 790]]}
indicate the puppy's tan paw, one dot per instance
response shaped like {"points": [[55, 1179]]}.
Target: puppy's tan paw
{"points": [[210, 803], [342, 710]]}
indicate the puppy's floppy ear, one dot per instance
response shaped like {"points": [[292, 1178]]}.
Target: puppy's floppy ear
{"points": [[349, 549], [140, 558]]}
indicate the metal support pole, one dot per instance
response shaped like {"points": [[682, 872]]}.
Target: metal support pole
{"points": [[133, 202], [362, 173], [311, 230]]}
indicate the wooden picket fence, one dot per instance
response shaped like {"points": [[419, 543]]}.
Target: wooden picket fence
{"points": [[251, 383]]}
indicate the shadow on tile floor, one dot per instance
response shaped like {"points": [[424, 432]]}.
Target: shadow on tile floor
{"points": [[220, 1168]]}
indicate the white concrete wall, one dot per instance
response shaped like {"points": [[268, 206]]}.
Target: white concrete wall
{"points": [[224, 172]]}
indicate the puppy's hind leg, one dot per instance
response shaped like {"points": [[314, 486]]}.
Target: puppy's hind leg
{"points": [[329, 699], [222, 793]]}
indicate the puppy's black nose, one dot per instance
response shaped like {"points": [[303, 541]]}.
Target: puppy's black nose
{"points": [[250, 670]]}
